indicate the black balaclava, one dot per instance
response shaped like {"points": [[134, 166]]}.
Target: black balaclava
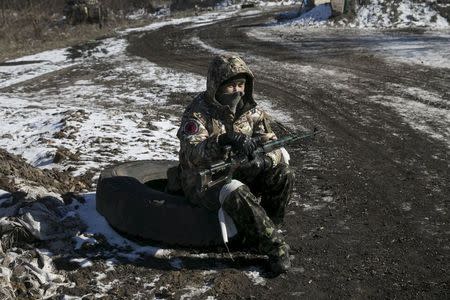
{"points": [[235, 100]]}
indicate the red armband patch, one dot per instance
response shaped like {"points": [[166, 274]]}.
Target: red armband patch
{"points": [[191, 127]]}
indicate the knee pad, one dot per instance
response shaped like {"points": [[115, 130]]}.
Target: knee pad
{"points": [[227, 226]]}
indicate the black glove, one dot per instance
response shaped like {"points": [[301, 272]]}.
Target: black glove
{"points": [[256, 166], [239, 142]]}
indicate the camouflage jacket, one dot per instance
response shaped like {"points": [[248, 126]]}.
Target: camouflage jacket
{"points": [[205, 118]]}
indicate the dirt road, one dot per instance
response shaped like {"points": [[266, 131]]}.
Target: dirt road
{"points": [[369, 217], [369, 214]]}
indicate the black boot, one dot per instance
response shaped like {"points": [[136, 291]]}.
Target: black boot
{"points": [[279, 260], [257, 228]]}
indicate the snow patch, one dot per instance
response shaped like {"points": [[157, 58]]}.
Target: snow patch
{"points": [[82, 239], [232, 3], [97, 224], [430, 48], [33, 191], [138, 14], [406, 206], [441, 209], [195, 21], [110, 263], [431, 120], [100, 135], [209, 272], [83, 262], [4, 196], [196, 41], [278, 3], [402, 14], [317, 16], [312, 207], [105, 287], [194, 292], [36, 266], [100, 276], [33, 66], [254, 274], [153, 283]]}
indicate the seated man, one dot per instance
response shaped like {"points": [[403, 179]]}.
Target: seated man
{"points": [[223, 117]]}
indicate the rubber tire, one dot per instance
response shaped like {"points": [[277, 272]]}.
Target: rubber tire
{"points": [[137, 210]]}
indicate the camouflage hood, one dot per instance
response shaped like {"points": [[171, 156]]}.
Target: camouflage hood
{"points": [[222, 68]]}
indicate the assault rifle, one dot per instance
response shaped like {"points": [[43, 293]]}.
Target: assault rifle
{"points": [[222, 171]]}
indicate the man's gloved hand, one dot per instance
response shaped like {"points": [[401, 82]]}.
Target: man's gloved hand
{"points": [[254, 167], [239, 142]]}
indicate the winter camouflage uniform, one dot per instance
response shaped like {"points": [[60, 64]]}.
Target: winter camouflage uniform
{"points": [[202, 123]]}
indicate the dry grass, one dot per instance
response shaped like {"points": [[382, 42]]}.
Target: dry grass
{"points": [[30, 26], [32, 33]]}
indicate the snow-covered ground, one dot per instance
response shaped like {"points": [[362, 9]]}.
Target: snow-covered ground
{"points": [[72, 115], [424, 110], [100, 118], [399, 14], [430, 48], [259, 3], [112, 116], [121, 113], [103, 105], [97, 105], [379, 14]]}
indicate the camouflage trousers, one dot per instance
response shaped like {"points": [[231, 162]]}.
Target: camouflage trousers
{"points": [[254, 218]]}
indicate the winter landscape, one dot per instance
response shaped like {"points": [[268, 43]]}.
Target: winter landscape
{"points": [[369, 215]]}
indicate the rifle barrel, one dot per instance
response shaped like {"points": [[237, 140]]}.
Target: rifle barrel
{"points": [[270, 146]]}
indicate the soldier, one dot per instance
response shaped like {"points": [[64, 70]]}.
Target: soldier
{"points": [[80, 11], [225, 116]]}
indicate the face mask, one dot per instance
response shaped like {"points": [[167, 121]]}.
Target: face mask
{"points": [[233, 101]]}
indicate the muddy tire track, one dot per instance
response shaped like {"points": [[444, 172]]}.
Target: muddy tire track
{"points": [[364, 221]]}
